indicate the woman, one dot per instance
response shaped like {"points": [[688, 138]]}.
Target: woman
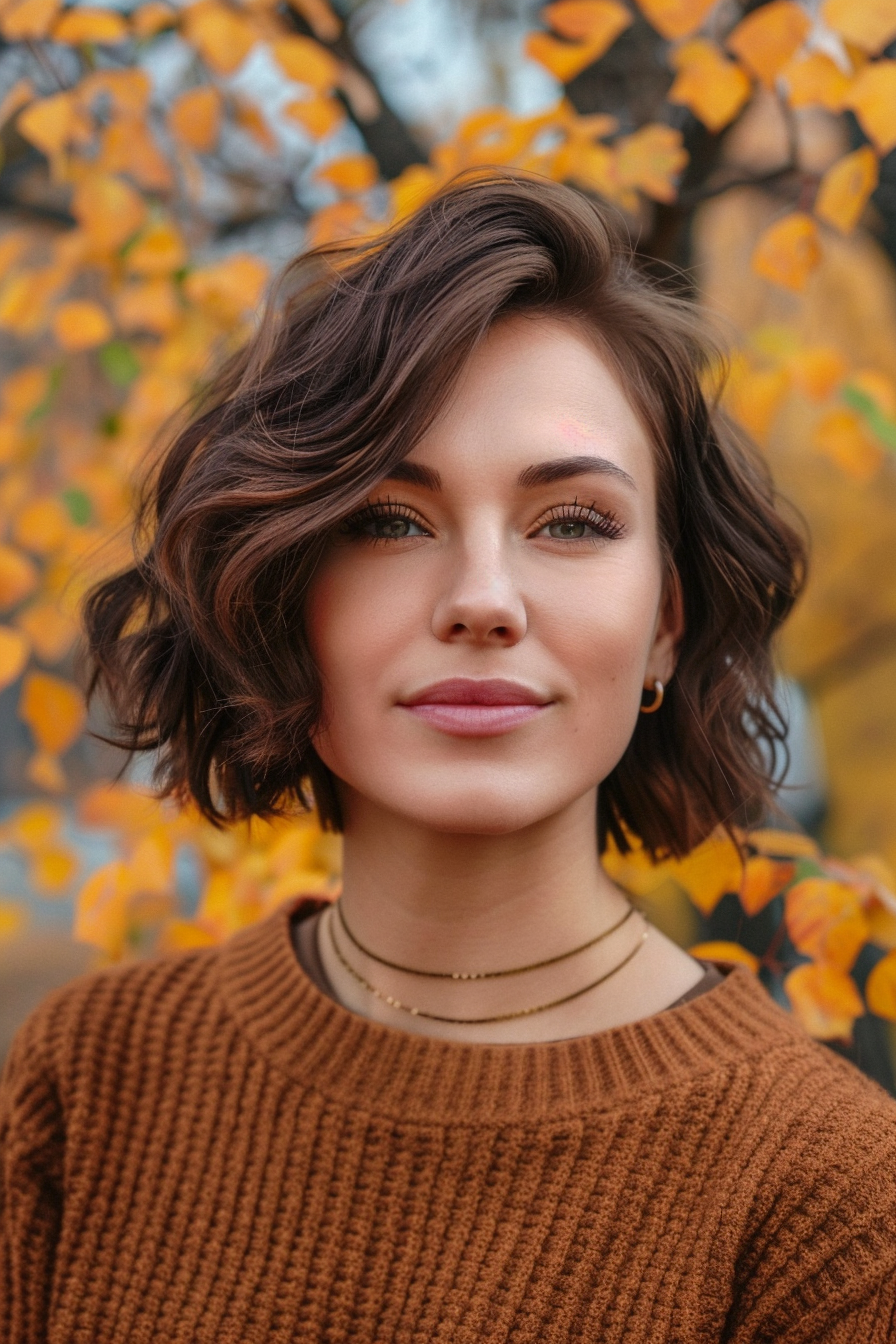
{"points": [[456, 540]]}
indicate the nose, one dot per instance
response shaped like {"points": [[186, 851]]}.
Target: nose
{"points": [[481, 602]]}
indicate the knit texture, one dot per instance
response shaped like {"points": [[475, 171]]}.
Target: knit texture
{"points": [[204, 1148]]}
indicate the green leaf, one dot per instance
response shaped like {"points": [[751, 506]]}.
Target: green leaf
{"points": [[79, 506], [880, 425], [119, 363]]}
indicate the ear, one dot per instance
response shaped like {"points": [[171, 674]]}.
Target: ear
{"points": [[669, 631]]}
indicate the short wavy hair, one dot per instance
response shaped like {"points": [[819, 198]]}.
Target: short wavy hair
{"points": [[200, 648]]}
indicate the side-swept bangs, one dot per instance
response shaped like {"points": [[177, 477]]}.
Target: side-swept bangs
{"points": [[200, 648]]}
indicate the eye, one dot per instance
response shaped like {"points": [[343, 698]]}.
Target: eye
{"points": [[579, 522], [384, 522]]}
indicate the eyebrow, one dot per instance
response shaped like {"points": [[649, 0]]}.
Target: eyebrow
{"points": [[540, 473]]}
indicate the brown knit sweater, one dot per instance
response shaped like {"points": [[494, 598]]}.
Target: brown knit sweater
{"points": [[206, 1148]]}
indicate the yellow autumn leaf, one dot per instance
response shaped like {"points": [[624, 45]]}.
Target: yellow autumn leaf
{"points": [[42, 525], [252, 120], [846, 187], [52, 869], [118, 806], [53, 709], [763, 880], [357, 172], [27, 20], [228, 289], [18, 576], [769, 37], [675, 18], [651, 160], [318, 115], [842, 436], [872, 96], [128, 91], [90, 25], [754, 397], [24, 390], [183, 935], [32, 826], [195, 118], [718, 950], [869, 24], [880, 988], [707, 873], [222, 36], [14, 649], [825, 921], [147, 305], [307, 62], [825, 1000], [15, 98], [101, 909], [128, 145], [45, 771], [108, 210], [152, 18], [788, 251], [817, 370], [13, 918], [50, 630], [783, 844], [52, 123], [588, 20], [80, 325], [158, 251], [814, 80], [714, 88]]}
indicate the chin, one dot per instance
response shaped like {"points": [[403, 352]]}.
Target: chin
{"points": [[479, 808]]}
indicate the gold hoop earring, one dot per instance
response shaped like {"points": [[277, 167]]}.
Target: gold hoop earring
{"points": [[658, 693]]}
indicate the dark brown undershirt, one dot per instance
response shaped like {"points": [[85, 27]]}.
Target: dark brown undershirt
{"points": [[304, 936]]}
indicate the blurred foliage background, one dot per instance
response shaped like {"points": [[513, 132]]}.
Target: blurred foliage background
{"points": [[162, 160]]}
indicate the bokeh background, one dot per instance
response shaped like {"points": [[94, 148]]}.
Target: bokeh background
{"points": [[161, 161]]}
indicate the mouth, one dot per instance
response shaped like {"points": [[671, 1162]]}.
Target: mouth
{"points": [[463, 707]]}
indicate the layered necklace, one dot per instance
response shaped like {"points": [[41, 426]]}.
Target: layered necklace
{"points": [[393, 1002]]}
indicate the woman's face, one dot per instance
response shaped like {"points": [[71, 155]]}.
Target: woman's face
{"points": [[484, 627]]}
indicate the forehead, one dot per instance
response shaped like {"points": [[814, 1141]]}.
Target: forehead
{"points": [[536, 386]]}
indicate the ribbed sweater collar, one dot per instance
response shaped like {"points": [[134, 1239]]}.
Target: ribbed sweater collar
{"points": [[371, 1067]]}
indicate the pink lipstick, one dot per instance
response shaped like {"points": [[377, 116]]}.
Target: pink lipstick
{"points": [[468, 708]]}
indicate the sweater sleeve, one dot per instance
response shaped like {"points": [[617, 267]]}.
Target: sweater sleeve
{"points": [[821, 1268], [31, 1169]]}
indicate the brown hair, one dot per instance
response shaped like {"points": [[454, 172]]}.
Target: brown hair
{"points": [[200, 646]]}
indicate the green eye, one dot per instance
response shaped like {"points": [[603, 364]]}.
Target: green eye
{"points": [[393, 528], [568, 530]]}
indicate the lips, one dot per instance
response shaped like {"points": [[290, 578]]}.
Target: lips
{"points": [[466, 708]]}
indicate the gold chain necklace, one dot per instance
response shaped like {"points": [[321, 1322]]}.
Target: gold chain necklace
{"points": [[476, 1021], [479, 975]]}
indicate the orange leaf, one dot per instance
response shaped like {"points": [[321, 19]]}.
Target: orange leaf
{"points": [[825, 1000], [44, 770], [158, 251], [587, 20], [15, 99], [318, 115], [788, 251], [845, 189], [128, 146], [248, 117], [108, 210], [147, 305], [722, 951], [825, 921], [42, 525], [18, 576], [54, 711], [319, 16], [101, 909], [222, 36], [33, 826], [151, 18], [565, 60], [195, 118], [90, 25], [80, 325], [843, 437], [763, 880], [13, 655], [127, 90], [870, 24], [229, 289], [307, 62], [815, 80], [873, 99], [51, 123], [13, 918], [118, 806], [676, 18], [24, 390], [357, 172], [768, 37], [51, 870], [880, 988], [817, 370], [182, 935], [707, 873], [651, 159], [51, 631], [714, 88], [27, 20]]}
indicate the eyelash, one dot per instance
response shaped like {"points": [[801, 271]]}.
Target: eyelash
{"points": [[605, 523]]}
